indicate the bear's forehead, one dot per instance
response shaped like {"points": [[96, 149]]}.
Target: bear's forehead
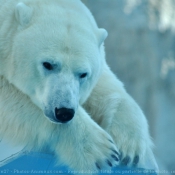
{"points": [[59, 43], [63, 34], [61, 28], [63, 10], [71, 27]]}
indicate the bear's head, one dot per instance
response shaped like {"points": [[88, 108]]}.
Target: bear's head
{"points": [[57, 55]]}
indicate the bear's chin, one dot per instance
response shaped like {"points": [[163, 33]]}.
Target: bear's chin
{"points": [[56, 121]]}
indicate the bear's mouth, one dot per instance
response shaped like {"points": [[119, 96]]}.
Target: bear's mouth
{"points": [[55, 121]]}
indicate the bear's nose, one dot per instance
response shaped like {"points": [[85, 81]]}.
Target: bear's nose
{"points": [[64, 115]]}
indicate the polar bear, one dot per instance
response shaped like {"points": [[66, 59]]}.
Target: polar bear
{"points": [[56, 88]]}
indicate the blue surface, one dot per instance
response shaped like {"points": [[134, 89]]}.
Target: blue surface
{"points": [[35, 163]]}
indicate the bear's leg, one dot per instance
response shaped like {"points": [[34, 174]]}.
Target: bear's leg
{"points": [[81, 143], [116, 112], [85, 146]]}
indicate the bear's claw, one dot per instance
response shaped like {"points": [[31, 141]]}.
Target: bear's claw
{"points": [[97, 165], [126, 161], [136, 160], [115, 158], [109, 163], [116, 152]]}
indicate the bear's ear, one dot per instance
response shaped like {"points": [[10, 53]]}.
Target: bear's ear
{"points": [[23, 13], [101, 36]]}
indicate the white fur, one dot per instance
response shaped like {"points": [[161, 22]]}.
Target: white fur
{"points": [[23, 14], [64, 33]]}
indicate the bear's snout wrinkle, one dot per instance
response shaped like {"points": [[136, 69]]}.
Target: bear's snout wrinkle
{"points": [[64, 115]]}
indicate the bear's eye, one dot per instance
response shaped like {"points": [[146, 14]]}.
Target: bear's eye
{"points": [[83, 75], [48, 66]]}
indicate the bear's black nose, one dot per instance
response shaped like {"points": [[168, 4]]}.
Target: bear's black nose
{"points": [[64, 115]]}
